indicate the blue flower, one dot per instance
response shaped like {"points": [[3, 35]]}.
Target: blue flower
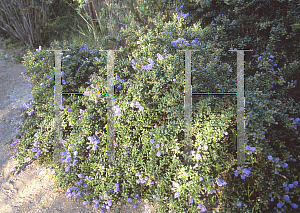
{"points": [[246, 171], [159, 56], [295, 183], [176, 195], [286, 197], [239, 204], [270, 157], [297, 120], [284, 184], [185, 15], [295, 206], [221, 182], [271, 56], [279, 204], [158, 153], [67, 168], [12, 169]]}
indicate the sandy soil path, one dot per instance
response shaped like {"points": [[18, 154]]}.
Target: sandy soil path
{"points": [[33, 189]]}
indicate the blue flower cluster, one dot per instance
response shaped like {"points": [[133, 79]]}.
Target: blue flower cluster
{"points": [[148, 66], [108, 202], [26, 106], [84, 48], [16, 141], [37, 148], [201, 208], [286, 197], [117, 78], [157, 146], [179, 15], [75, 188], [195, 41], [221, 182], [174, 43], [296, 121], [218, 16], [143, 180], [93, 141], [244, 172], [251, 149], [68, 158]]}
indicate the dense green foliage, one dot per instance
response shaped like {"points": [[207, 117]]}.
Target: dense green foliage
{"points": [[150, 117]]}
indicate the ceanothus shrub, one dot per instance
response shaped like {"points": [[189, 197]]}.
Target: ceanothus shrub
{"points": [[149, 127], [133, 144]]}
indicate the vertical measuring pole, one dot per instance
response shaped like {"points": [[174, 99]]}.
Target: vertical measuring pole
{"points": [[188, 109], [57, 106], [240, 107], [110, 107]]}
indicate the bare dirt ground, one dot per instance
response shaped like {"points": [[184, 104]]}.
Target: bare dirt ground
{"points": [[33, 189]]}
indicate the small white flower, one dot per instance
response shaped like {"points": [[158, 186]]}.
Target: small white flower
{"points": [[176, 185]]}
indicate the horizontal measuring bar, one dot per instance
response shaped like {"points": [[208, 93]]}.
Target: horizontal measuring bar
{"points": [[73, 93], [192, 93], [174, 163], [214, 93]]}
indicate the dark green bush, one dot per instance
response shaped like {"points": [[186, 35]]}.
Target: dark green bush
{"points": [[149, 124]]}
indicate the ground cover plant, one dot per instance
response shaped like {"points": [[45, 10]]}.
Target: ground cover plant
{"points": [[149, 124]]}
